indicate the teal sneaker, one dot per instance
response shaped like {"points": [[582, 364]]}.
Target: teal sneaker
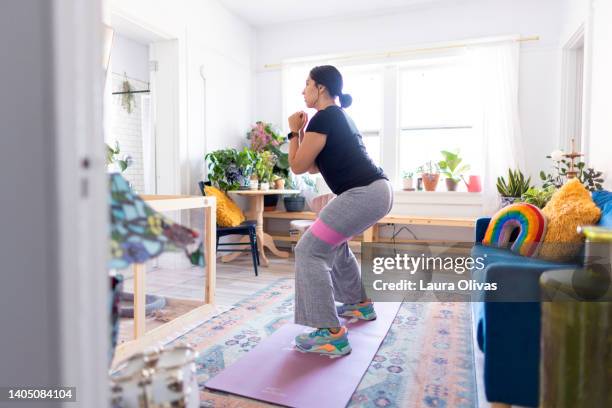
{"points": [[362, 311], [322, 341]]}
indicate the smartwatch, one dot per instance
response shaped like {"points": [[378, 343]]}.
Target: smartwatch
{"points": [[292, 134]]}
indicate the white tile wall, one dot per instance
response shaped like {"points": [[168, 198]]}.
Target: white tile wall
{"points": [[127, 130]]}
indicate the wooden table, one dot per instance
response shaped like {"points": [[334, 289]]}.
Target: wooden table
{"points": [[255, 213], [372, 234], [163, 203]]}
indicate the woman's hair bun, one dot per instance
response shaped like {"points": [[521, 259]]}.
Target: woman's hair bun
{"points": [[345, 100]]}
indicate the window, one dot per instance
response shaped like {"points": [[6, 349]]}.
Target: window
{"points": [[437, 112], [423, 106]]}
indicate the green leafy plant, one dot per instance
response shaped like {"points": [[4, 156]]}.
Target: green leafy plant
{"points": [[516, 185], [451, 166], [588, 176], [229, 169], [264, 166], [407, 174], [538, 196], [591, 179], [111, 157], [245, 160]]}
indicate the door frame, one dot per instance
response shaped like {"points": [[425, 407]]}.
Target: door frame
{"points": [[572, 89], [81, 206], [575, 89], [150, 34]]}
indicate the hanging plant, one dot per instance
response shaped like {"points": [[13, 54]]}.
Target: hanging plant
{"points": [[127, 99]]}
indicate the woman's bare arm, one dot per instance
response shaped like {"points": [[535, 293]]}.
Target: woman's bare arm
{"points": [[302, 155]]}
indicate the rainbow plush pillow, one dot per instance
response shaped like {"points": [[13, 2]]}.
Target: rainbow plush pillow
{"points": [[530, 222]]}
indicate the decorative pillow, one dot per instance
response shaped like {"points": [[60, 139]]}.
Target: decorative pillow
{"points": [[228, 212], [530, 222], [603, 199], [569, 207]]}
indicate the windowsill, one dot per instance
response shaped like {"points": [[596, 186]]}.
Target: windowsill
{"points": [[438, 197]]}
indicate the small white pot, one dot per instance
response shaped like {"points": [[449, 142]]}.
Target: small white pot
{"points": [[264, 186], [253, 184], [407, 183]]}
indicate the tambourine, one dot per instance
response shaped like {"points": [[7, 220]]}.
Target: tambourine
{"points": [[159, 378]]}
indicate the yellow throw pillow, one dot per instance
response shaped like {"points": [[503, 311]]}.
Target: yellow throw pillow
{"points": [[569, 207], [228, 212]]}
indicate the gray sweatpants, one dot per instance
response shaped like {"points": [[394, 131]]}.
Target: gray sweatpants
{"points": [[325, 268]]}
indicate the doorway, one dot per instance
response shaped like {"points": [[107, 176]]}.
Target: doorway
{"points": [[573, 106], [143, 106]]}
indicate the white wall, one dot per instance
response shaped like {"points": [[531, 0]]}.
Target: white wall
{"points": [[595, 16], [600, 134], [210, 37], [539, 68], [130, 57]]}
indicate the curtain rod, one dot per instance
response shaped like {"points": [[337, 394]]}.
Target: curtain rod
{"points": [[390, 54], [132, 92]]}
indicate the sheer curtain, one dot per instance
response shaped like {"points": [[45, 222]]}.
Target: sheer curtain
{"points": [[496, 68]]}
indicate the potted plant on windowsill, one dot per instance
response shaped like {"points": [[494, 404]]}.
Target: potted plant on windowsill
{"points": [[430, 174], [407, 180], [451, 167], [512, 190]]}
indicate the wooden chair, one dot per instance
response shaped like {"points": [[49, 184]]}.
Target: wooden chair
{"points": [[246, 228]]}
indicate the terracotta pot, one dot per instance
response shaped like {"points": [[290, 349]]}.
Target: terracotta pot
{"points": [[451, 185], [430, 181], [279, 184]]}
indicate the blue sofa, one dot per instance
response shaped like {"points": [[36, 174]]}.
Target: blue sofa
{"points": [[509, 332]]}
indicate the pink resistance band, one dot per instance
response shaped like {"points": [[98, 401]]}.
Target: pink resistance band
{"points": [[327, 234]]}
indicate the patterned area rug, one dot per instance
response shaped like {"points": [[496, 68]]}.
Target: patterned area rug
{"points": [[426, 360]]}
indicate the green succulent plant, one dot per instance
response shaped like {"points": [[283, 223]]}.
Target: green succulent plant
{"points": [[516, 186]]}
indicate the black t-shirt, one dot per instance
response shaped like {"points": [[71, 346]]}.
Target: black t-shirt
{"points": [[343, 162]]}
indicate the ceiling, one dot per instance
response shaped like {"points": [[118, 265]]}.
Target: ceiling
{"points": [[260, 13]]}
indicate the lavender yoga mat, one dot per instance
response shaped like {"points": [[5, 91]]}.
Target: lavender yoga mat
{"points": [[275, 372]]}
